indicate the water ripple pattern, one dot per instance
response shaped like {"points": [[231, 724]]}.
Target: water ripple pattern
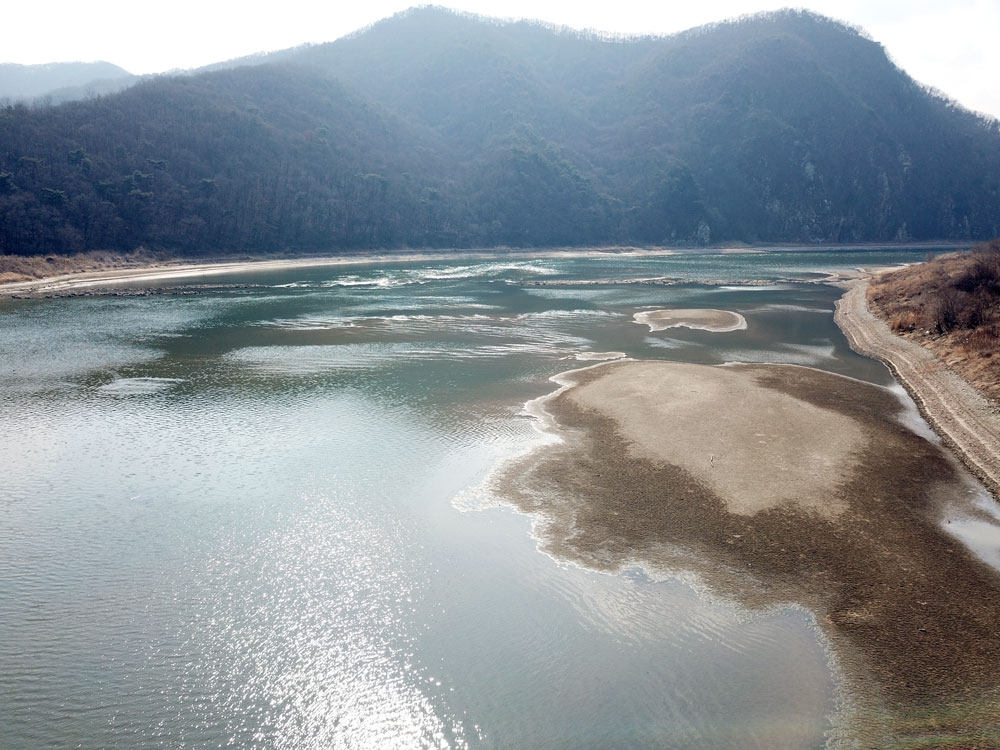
{"points": [[314, 632]]}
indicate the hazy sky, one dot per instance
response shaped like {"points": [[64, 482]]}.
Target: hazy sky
{"points": [[947, 44]]}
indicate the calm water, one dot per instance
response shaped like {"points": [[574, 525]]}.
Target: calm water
{"points": [[243, 517]]}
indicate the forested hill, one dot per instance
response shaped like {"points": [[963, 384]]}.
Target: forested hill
{"points": [[435, 129]]}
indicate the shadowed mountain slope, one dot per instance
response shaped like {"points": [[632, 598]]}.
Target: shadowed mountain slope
{"points": [[433, 128]]}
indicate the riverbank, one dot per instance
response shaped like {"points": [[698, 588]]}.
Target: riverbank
{"points": [[40, 277], [951, 306], [962, 416]]}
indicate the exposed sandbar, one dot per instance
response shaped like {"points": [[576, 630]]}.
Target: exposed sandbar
{"points": [[598, 356], [716, 321], [778, 484], [805, 449]]}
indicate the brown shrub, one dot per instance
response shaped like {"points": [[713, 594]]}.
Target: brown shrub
{"points": [[951, 305], [905, 321], [982, 275], [946, 311]]}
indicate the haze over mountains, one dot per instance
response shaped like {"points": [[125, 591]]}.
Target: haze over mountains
{"points": [[61, 81], [435, 129]]}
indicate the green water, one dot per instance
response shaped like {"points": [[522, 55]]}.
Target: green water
{"points": [[242, 517]]}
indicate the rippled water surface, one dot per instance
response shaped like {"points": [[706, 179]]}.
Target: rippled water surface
{"points": [[243, 517]]}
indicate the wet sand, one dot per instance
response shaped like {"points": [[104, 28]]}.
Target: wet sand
{"points": [[778, 484], [716, 321]]}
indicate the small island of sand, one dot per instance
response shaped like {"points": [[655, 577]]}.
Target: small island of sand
{"points": [[716, 321], [598, 356], [779, 484]]}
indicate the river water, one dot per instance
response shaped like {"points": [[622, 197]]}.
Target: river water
{"points": [[245, 515]]}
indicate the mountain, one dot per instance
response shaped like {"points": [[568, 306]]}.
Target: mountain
{"points": [[253, 158], [434, 128], [61, 81]]}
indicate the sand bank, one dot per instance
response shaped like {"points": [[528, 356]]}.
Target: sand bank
{"points": [[805, 448], [161, 273], [716, 321], [961, 415], [777, 484], [598, 356], [157, 272]]}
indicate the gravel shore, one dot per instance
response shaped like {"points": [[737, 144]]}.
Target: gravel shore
{"points": [[967, 422]]}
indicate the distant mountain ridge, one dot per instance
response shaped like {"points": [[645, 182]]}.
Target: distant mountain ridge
{"points": [[62, 81], [434, 129]]}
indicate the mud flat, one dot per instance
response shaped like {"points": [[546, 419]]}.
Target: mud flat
{"points": [[777, 484], [716, 321]]}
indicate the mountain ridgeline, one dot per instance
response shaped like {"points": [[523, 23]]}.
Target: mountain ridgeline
{"points": [[59, 82], [436, 129]]}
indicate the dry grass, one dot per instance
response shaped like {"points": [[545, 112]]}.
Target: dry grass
{"points": [[950, 305], [905, 321]]}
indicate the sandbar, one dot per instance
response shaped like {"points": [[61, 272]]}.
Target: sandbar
{"points": [[716, 321], [598, 356], [779, 484], [806, 449]]}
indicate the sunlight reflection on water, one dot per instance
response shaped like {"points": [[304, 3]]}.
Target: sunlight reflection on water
{"points": [[316, 631], [227, 520]]}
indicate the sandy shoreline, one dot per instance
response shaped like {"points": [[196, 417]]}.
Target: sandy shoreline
{"points": [[967, 422], [158, 272]]}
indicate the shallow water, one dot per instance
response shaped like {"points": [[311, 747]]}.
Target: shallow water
{"points": [[228, 517]]}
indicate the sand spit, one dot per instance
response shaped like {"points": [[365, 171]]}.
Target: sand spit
{"points": [[55, 285], [961, 415], [716, 321], [722, 471], [598, 356]]}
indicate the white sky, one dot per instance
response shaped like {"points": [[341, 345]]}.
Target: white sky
{"points": [[943, 43]]}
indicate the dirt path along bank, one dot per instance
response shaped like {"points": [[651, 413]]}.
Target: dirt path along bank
{"points": [[967, 421]]}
